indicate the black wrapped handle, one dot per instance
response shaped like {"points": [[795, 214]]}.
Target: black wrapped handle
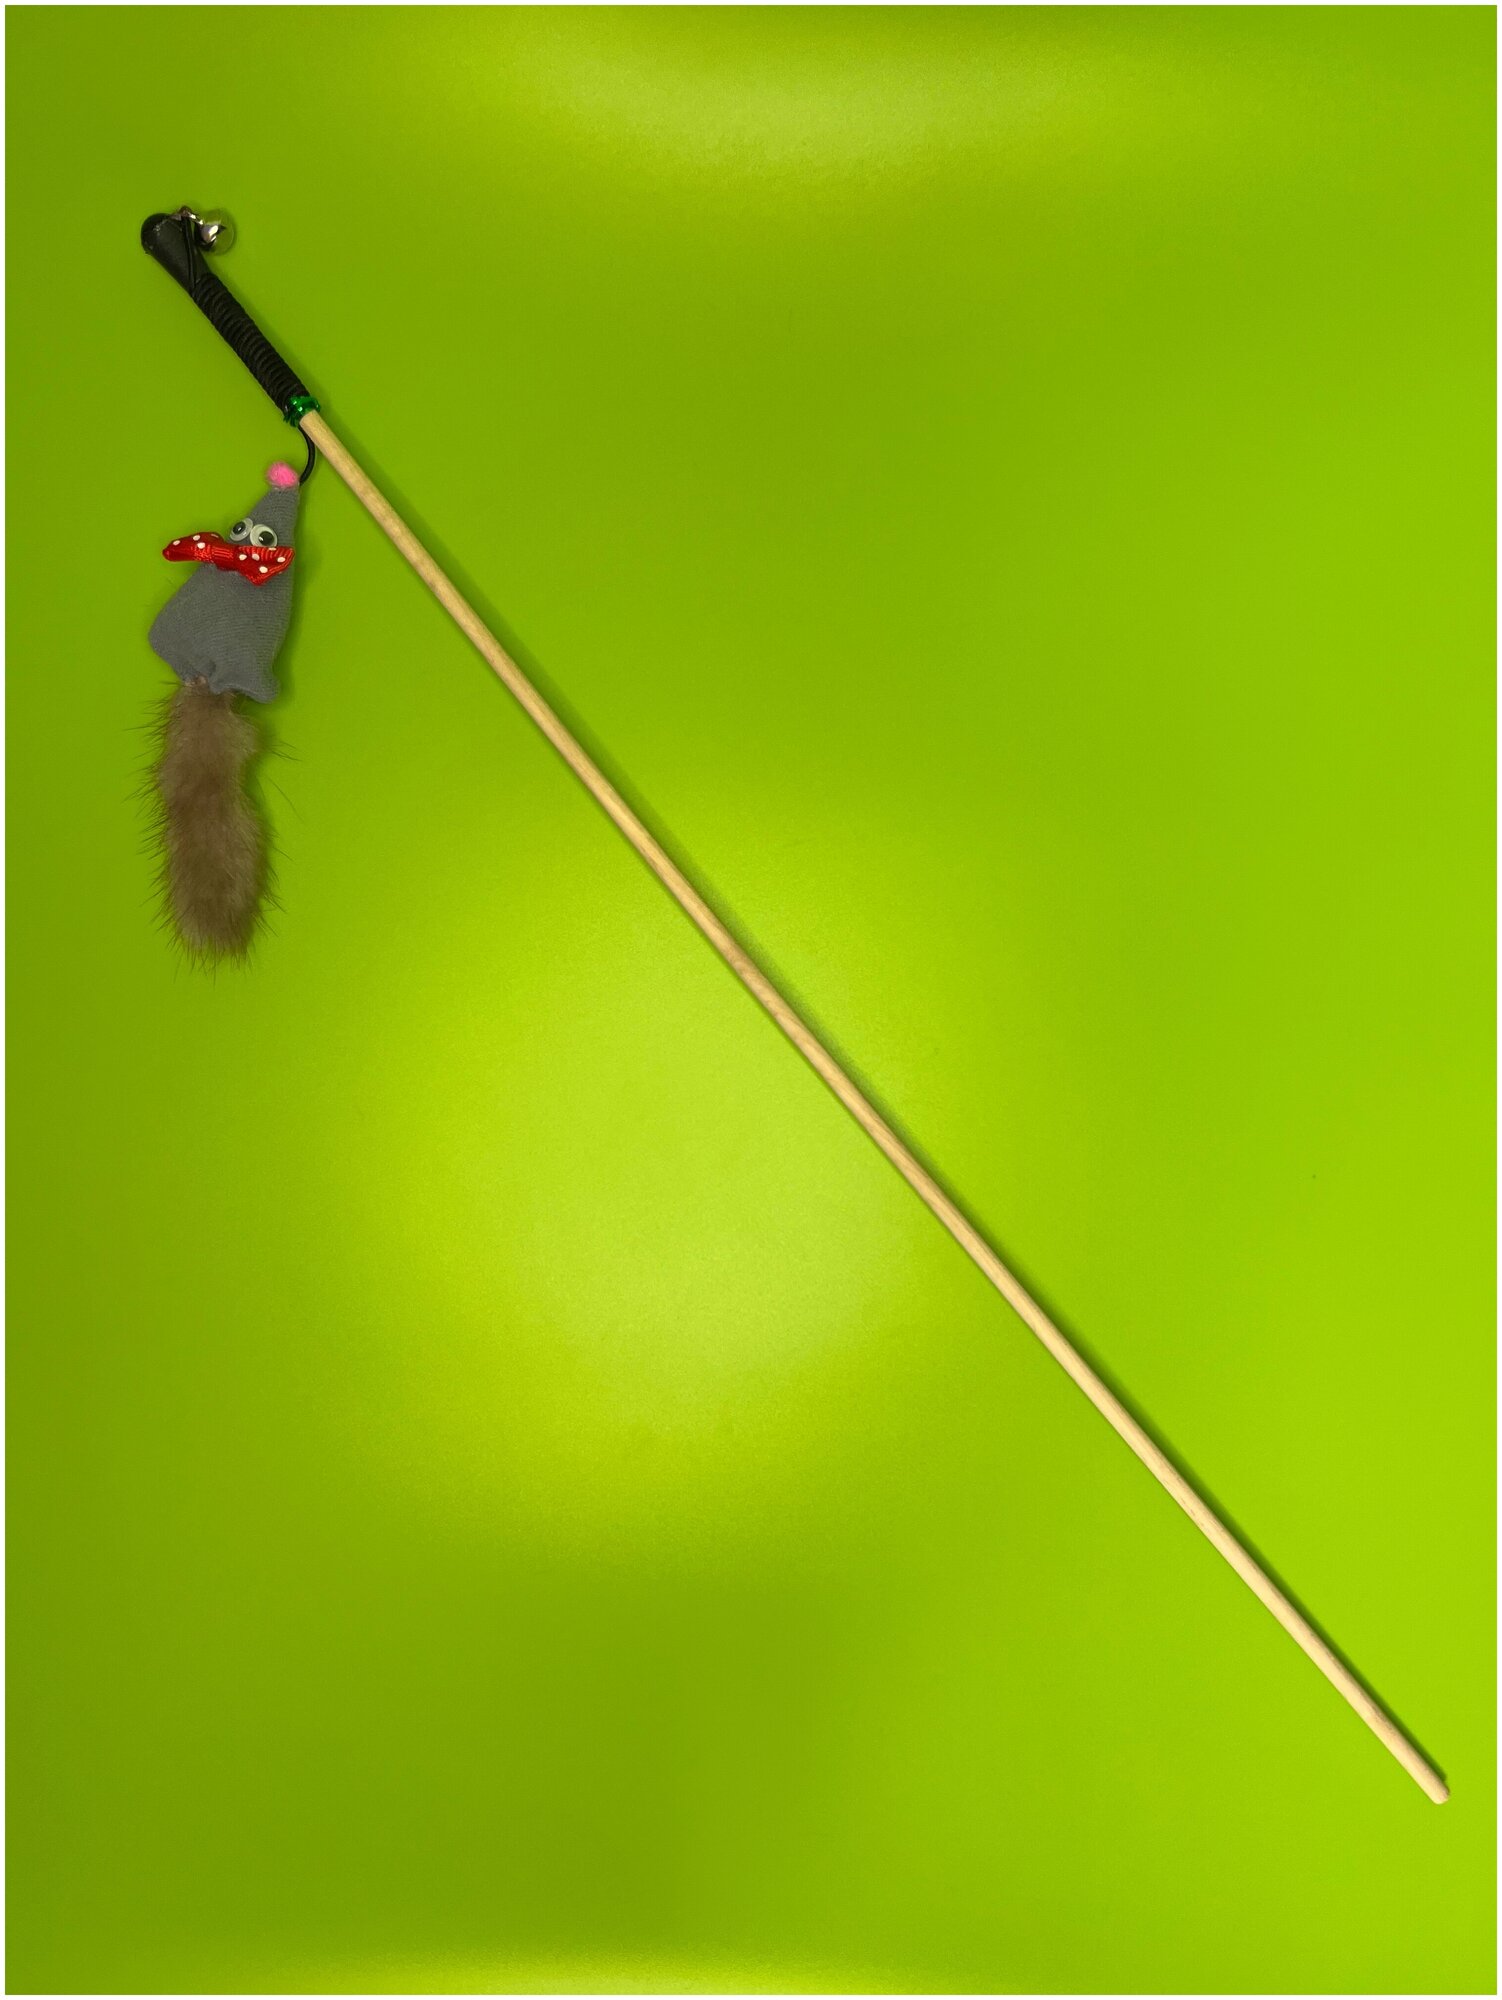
{"points": [[173, 241]]}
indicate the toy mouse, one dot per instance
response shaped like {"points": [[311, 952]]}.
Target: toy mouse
{"points": [[220, 634]]}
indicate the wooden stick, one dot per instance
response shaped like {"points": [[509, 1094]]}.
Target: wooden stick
{"points": [[867, 1117]]}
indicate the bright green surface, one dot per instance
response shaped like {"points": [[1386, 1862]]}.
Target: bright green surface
{"points": [[507, 1488]]}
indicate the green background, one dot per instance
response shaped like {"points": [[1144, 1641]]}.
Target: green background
{"points": [[508, 1490]]}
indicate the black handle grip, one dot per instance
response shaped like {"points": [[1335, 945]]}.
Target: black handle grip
{"points": [[173, 241]]}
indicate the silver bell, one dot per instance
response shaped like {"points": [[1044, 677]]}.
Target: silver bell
{"points": [[216, 231]]}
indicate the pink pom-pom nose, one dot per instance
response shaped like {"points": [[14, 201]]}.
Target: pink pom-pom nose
{"points": [[280, 475]]}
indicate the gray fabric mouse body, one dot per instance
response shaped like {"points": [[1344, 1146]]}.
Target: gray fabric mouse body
{"points": [[226, 624]]}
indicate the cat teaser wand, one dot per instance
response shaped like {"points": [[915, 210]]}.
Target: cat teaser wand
{"points": [[177, 242]]}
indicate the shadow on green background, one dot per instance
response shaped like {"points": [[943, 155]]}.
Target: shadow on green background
{"points": [[507, 1490]]}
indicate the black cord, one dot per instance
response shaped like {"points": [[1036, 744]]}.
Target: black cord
{"points": [[233, 323], [174, 242]]}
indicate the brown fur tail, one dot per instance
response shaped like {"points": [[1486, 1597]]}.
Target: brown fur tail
{"points": [[214, 866]]}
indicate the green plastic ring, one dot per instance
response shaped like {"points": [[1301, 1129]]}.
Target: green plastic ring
{"points": [[299, 406]]}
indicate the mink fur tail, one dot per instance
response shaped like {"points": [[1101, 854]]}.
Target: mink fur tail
{"points": [[214, 868]]}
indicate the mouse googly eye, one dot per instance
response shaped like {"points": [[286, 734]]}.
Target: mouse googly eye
{"points": [[241, 530], [263, 537]]}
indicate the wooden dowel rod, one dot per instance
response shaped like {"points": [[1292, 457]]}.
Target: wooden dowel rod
{"points": [[866, 1115]]}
